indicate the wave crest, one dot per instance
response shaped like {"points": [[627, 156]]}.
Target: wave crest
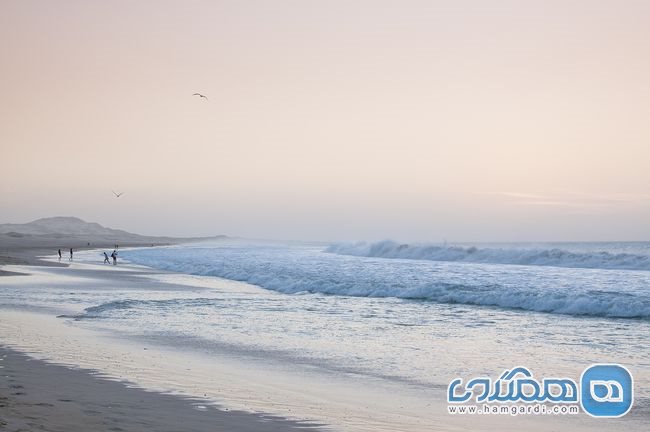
{"points": [[297, 271], [535, 257]]}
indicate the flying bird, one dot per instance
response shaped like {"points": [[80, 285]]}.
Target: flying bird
{"points": [[200, 95], [117, 195]]}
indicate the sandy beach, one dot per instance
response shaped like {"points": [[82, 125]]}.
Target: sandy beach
{"points": [[230, 381], [35, 395], [40, 395], [44, 395]]}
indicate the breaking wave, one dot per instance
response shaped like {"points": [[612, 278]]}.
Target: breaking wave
{"points": [[589, 303], [126, 307], [535, 257], [620, 294]]}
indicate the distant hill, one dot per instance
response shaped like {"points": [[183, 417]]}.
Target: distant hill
{"points": [[74, 232], [62, 225]]}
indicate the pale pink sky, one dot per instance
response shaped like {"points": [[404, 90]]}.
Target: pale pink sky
{"points": [[412, 120]]}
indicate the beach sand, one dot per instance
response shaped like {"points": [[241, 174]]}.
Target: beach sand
{"points": [[35, 395]]}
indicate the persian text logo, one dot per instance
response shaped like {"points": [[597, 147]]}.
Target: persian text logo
{"points": [[516, 385], [606, 390]]}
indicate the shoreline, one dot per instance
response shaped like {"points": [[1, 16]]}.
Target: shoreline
{"points": [[40, 256], [258, 384], [35, 394]]}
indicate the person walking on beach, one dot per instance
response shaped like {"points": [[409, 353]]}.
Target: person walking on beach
{"points": [[59, 255], [114, 256], [106, 258], [70, 254]]}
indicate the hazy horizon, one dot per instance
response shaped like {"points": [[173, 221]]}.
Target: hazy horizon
{"points": [[330, 120]]}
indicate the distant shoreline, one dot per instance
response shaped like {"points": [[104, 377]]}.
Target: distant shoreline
{"points": [[24, 244], [35, 255]]}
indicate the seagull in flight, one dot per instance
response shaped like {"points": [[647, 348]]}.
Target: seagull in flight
{"points": [[117, 195], [200, 95]]}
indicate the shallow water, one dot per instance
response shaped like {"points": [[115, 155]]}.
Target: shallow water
{"points": [[415, 321], [338, 322]]}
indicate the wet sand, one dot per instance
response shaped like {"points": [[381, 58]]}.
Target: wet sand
{"points": [[31, 252], [35, 395]]}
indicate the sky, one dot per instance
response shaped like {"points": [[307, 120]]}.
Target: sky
{"points": [[463, 120]]}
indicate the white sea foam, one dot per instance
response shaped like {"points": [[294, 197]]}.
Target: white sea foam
{"points": [[292, 270], [556, 257], [591, 303]]}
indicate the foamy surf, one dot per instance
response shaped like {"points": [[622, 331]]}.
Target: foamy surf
{"points": [[536, 256], [304, 269]]}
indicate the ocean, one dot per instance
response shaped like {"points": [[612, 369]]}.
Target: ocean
{"points": [[417, 313], [414, 315]]}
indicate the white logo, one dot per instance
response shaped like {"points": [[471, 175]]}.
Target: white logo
{"points": [[614, 391]]}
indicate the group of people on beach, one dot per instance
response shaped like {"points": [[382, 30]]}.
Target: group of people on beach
{"points": [[113, 255], [106, 260]]}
